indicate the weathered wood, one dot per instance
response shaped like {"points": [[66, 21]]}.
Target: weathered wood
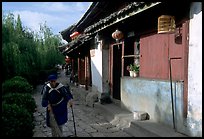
{"points": [[130, 56]]}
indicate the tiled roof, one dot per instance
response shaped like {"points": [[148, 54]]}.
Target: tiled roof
{"points": [[62, 47], [115, 17], [81, 39], [120, 15]]}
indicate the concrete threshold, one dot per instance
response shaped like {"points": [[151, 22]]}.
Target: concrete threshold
{"points": [[115, 115], [149, 128], [124, 119]]}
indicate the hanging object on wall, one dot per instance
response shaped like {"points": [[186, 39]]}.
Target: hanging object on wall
{"points": [[97, 38], [166, 24], [67, 59], [74, 35], [178, 35], [117, 35]]}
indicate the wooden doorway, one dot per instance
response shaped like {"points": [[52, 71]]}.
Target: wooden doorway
{"points": [[115, 70]]}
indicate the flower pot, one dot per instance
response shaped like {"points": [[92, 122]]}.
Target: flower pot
{"points": [[131, 73], [135, 74]]}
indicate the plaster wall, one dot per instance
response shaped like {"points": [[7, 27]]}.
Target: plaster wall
{"points": [[194, 114], [153, 97], [96, 69]]}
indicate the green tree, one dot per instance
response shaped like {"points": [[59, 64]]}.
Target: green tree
{"points": [[27, 53]]}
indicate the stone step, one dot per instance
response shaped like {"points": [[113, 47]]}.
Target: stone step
{"points": [[115, 115], [134, 123], [149, 128], [138, 132], [111, 109]]}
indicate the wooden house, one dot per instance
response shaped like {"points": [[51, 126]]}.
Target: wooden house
{"points": [[158, 36]]}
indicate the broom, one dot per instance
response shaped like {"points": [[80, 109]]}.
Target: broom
{"points": [[53, 124]]}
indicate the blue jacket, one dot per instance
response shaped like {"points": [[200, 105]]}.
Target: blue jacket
{"points": [[58, 97]]}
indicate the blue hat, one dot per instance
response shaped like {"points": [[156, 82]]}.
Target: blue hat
{"points": [[52, 77]]}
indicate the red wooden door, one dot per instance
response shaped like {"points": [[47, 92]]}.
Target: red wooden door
{"points": [[157, 49], [154, 56], [81, 71]]}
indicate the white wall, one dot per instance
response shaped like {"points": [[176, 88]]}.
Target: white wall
{"points": [[194, 115], [154, 97], [96, 69]]}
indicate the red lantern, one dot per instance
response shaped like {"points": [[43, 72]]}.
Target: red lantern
{"points": [[67, 60], [117, 35], [74, 35]]}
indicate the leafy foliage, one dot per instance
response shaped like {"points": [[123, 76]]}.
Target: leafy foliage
{"points": [[133, 67], [25, 52], [18, 85], [19, 78], [24, 55], [16, 121], [23, 100]]}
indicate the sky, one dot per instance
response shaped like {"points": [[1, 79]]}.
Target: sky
{"points": [[57, 15]]}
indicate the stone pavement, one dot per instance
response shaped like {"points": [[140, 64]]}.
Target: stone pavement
{"points": [[89, 121], [93, 119]]}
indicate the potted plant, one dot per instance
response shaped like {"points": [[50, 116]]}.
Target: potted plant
{"points": [[134, 70]]}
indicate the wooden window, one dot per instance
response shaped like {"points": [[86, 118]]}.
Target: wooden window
{"points": [[130, 54]]}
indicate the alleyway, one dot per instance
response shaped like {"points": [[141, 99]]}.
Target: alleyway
{"points": [[88, 120]]}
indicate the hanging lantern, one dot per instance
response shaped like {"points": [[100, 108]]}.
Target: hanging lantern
{"points": [[74, 35], [117, 35], [67, 60], [166, 24]]}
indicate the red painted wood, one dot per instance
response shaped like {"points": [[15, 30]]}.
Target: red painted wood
{"points": [[154, 56], [81, 71], [155, 52], [176, 51]]}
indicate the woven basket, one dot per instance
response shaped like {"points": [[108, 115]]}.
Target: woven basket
{"points": [[166, 24]]}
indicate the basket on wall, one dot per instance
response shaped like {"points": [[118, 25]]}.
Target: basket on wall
{"points": [[166, 24]]}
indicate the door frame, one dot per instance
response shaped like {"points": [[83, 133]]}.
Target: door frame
{"points": [[111, 64]]}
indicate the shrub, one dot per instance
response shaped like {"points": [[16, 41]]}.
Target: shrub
{"points": [[23, 100], [16, 121], [19, 78], [32, 77], [16, 84]]}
